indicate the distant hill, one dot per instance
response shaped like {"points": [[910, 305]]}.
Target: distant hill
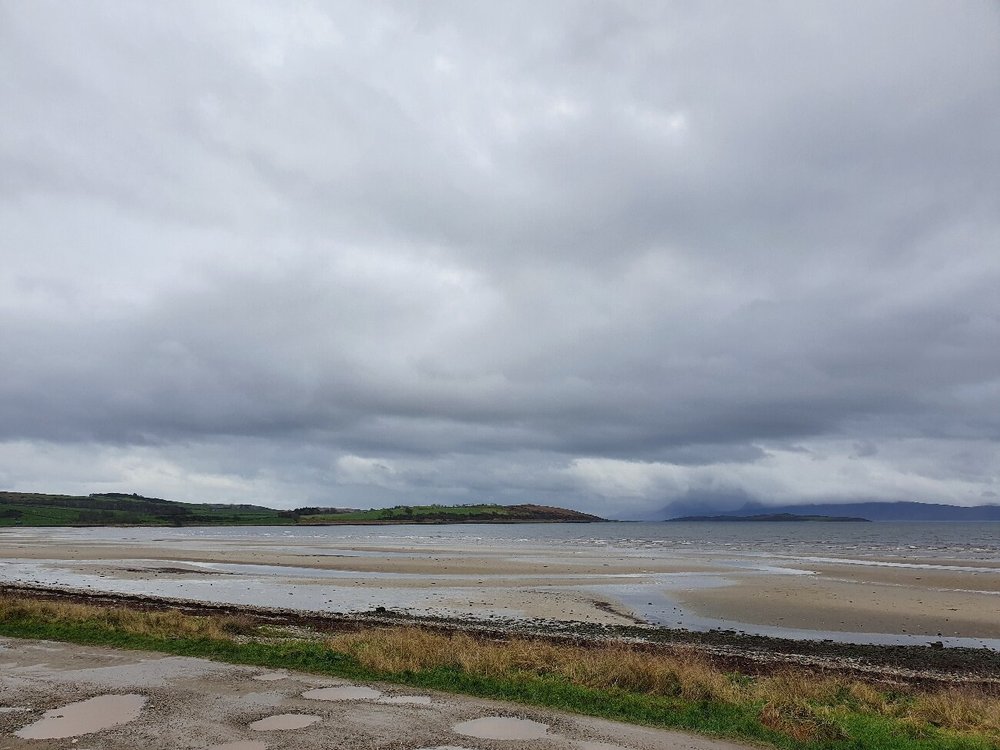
{"points": [[455, 514], [771, 517], [119, 509], [873, 511]]}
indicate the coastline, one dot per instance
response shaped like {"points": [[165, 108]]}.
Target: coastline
{"points": [[492, 573], [753, 653]]}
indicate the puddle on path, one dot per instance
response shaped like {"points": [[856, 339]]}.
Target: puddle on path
{"points": [[284, 721], [502, 728], [343, 693], [84, 717], [407, 700], [240, 745], [271, 676]]}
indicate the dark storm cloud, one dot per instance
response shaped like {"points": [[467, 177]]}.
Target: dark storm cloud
{"points": [[380, 253]]}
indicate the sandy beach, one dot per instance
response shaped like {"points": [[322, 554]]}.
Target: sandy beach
{"points": [[859, 597]]}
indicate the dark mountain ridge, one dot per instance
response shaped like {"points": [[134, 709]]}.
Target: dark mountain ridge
{"points": [[771, 518], [874, 511]]}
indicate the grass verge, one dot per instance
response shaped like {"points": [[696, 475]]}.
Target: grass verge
{"points": [[670, 688]]}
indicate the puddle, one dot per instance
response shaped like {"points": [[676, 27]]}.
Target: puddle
{"points": [[240, 745], [84, 717], [591, 745], [502, 728], [270, 676], [284, 721], [408, 700], [343, 693]]}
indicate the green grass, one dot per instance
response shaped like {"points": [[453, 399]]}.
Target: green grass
{"points": [[36, 509], [834, 722], [481, 513], [407, 513]]}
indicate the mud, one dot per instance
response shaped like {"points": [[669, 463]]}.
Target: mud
{"points": [[343, 693], [284, 721]]}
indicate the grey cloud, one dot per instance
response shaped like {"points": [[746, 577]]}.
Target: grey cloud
{"points": [[481, 245]]}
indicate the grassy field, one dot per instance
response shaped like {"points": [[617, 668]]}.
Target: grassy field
{"points": [[484, 513], [37, 509], [791, 708]]}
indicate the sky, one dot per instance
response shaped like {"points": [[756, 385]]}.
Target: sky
{"points": [[620, 257]]}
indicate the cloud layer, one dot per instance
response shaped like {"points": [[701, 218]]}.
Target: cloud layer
{"points": [[605, 256]]}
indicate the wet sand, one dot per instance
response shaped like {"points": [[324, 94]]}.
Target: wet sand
{"points": [[935, 598], [182, 703], [854, 606]]}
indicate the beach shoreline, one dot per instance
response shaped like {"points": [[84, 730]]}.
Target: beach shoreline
{"points": [[747, 652], [873, 598]]}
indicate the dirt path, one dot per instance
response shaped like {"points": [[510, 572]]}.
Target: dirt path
{"points": [[131, 699]]}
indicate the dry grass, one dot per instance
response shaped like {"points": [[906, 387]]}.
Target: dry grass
{"points": [[168, 623], [798, 702], [608, 667], [962, 709]]}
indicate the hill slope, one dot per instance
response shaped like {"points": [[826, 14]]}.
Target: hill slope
{"points": [[873, 511], [770, 517], [114, 509]]}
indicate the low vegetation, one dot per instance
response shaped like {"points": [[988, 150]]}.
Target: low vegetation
{"points": [[117, 509], [453, 514], [665, 687]]}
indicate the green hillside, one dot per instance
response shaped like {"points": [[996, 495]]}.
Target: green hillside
{"points": [[115, 509], [112, 509], [487, 513]]}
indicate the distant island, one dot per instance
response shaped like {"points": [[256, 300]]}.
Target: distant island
{"points": [[870, 510], [772, 517], [120, 509]]}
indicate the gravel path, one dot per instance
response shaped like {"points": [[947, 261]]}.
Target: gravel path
{"points": [[57, 695]]}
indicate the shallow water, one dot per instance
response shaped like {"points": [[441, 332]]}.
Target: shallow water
{"points": [[502, 728], [733, 551], [85, 717], [957, 541]]}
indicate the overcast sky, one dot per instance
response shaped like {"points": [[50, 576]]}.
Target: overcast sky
{"points": [[605, 255]]}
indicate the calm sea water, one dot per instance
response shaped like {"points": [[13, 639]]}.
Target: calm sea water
{"points": [[958, 541]]}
